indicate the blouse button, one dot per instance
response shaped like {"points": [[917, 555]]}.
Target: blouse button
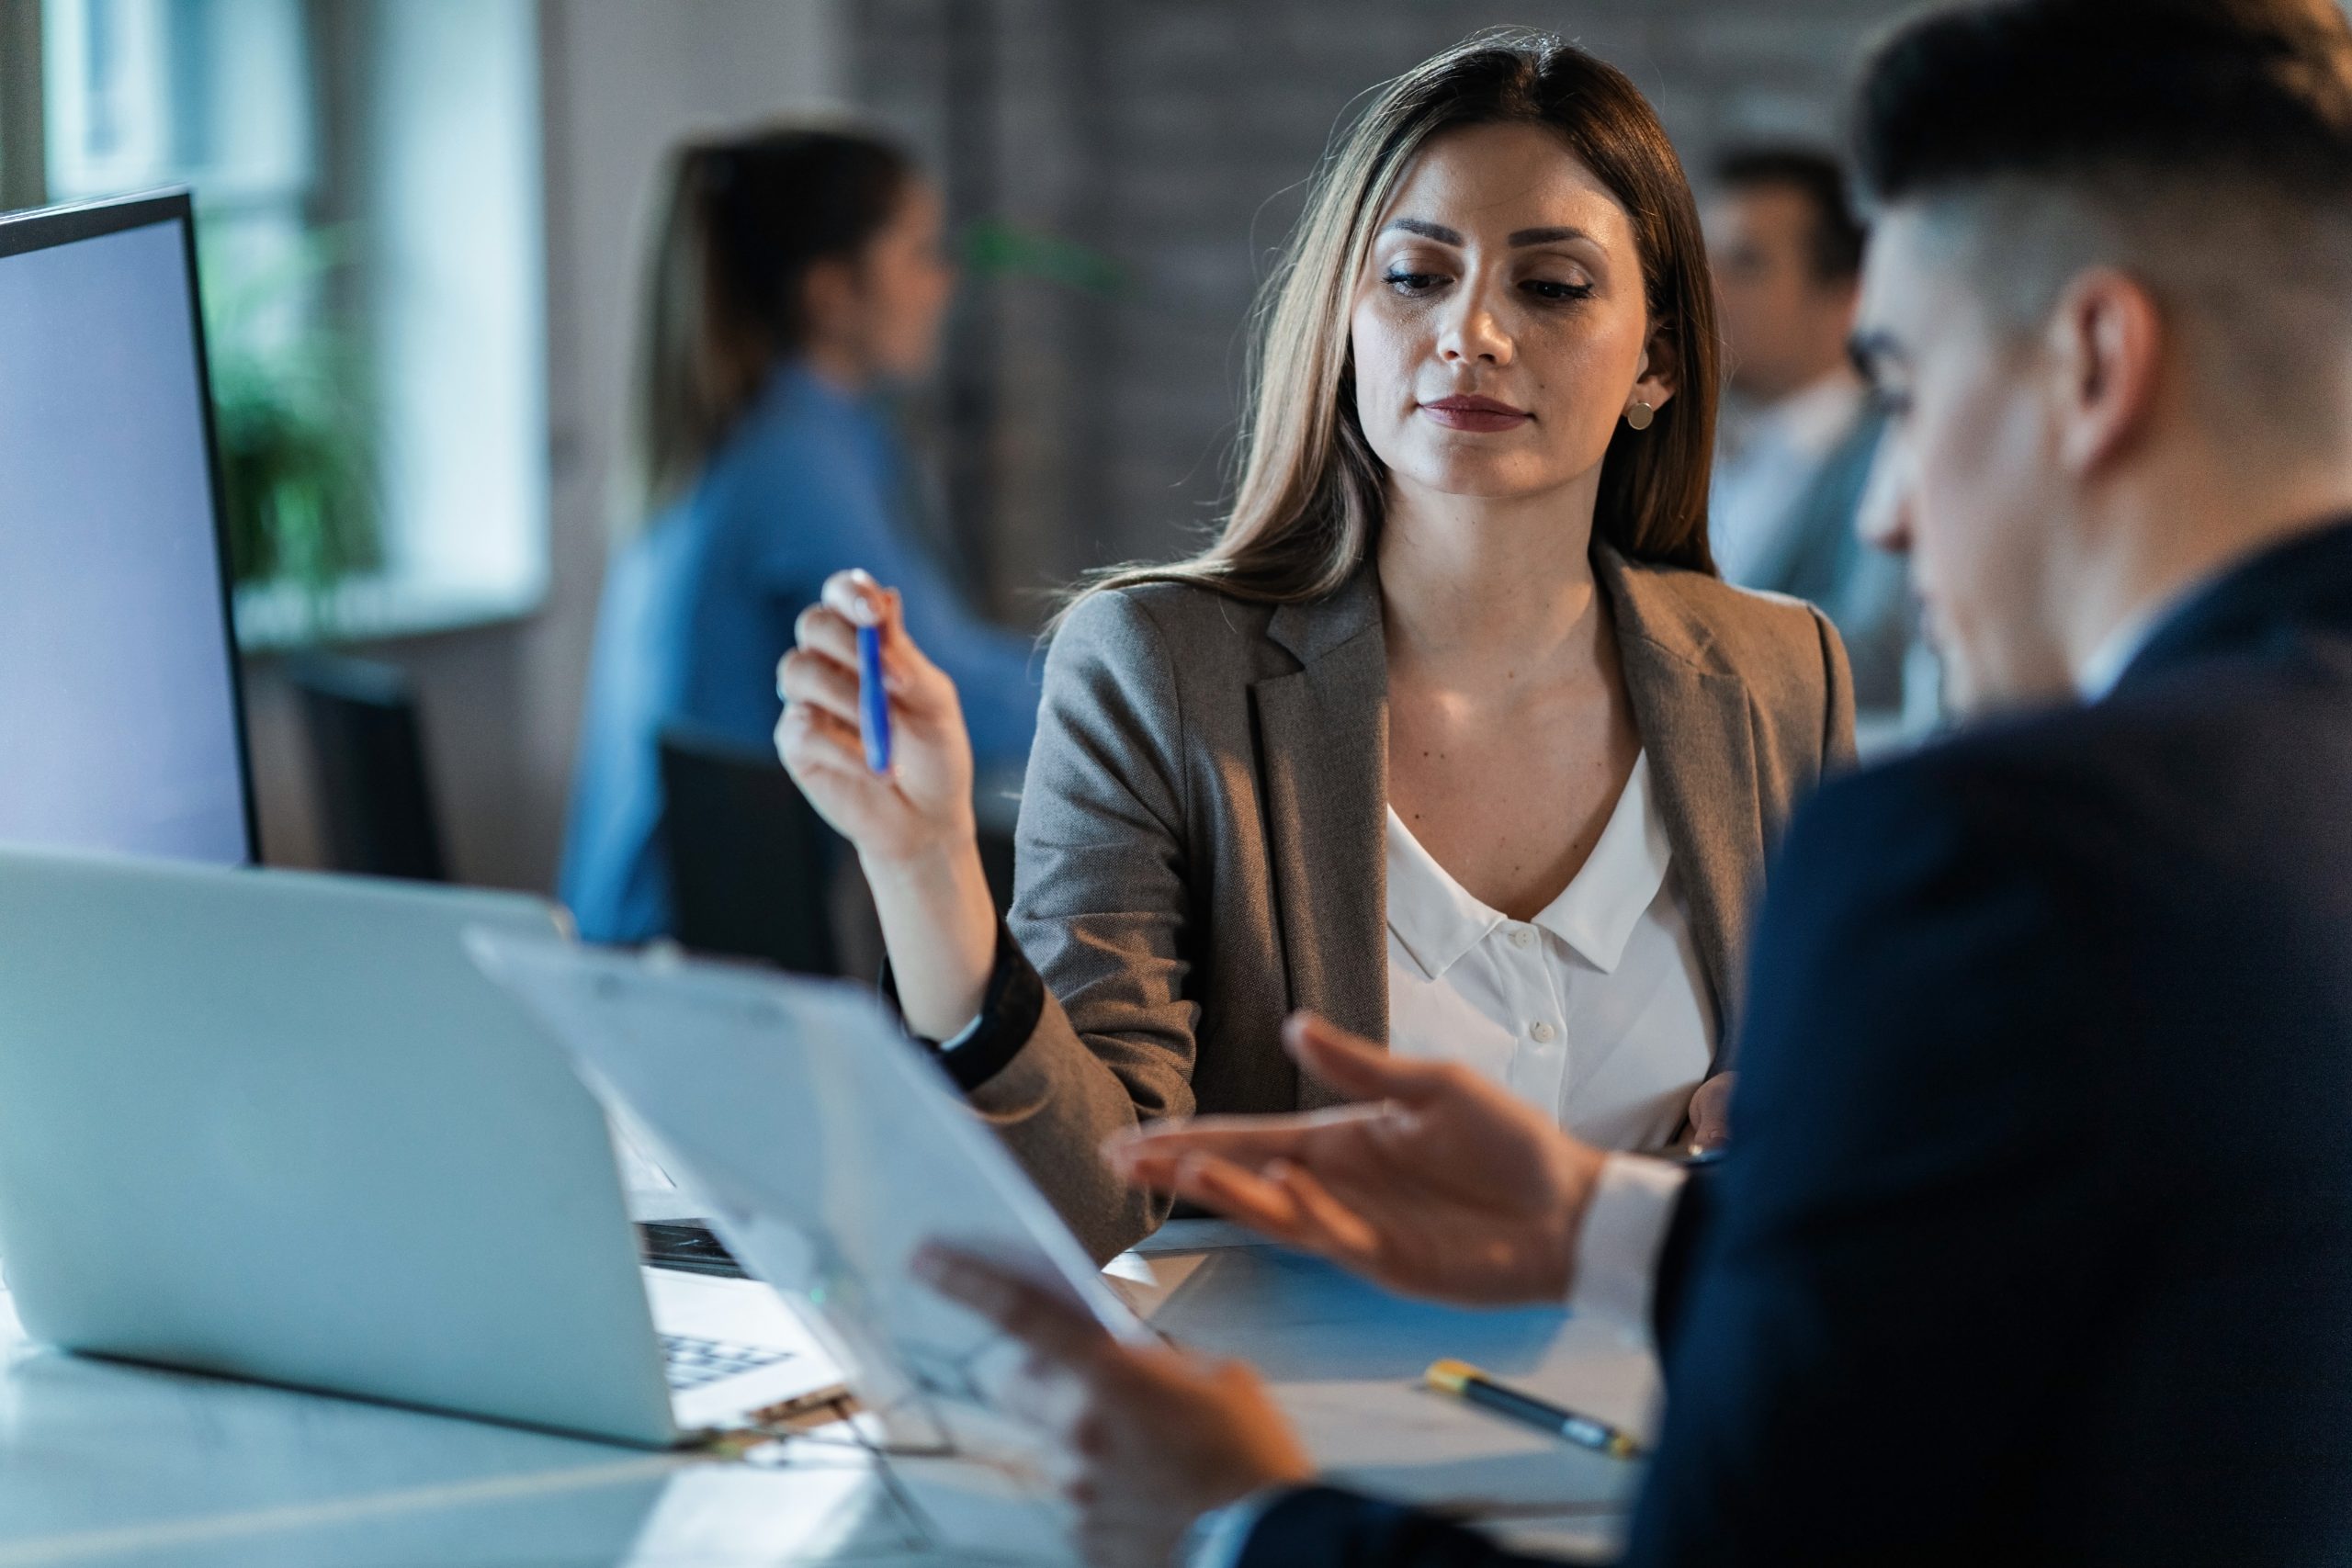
{"points": [[1541, 1031], [1521, 936]]}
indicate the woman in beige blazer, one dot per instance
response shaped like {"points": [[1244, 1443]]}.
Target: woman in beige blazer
{"points": [[1462, 597]]}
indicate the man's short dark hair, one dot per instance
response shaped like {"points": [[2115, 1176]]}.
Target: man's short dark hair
{"points": [[2067, 91], [1835, 248]]}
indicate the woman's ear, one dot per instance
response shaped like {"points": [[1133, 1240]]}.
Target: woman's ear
{"points": [[1660, 370]]}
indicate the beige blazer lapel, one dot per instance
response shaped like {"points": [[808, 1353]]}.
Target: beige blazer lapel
{"points": [[1695, 725], [1323, 766]]}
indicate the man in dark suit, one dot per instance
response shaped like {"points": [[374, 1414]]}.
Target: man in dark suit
{"points": [[2034, 1242]]}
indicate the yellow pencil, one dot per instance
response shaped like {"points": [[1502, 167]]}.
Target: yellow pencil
{"points": [[1466, 1383]]}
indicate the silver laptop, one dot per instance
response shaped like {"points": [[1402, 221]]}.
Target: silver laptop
{"points": [[278, 1126]]}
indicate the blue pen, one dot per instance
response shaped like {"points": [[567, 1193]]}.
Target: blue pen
{"points": [[873, 702]]}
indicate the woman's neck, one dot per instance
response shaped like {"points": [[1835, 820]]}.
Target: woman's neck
{"points": [[838, 368], [1470, 584]]}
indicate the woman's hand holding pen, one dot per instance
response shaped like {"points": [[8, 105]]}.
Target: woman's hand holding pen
{"points": [[923, 804], [913, 823]]}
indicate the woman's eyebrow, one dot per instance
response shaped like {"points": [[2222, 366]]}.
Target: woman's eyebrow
{"points": [[1546, 236], [1519, 238], [1438, 232]]}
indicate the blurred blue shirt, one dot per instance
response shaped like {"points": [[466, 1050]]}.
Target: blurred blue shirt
{"points": [[698, 609]]}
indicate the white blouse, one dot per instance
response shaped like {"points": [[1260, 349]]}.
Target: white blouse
{"points": [[1597, 1011]]}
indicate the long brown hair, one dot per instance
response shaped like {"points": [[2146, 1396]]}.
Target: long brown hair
{"points": [[1306, 505], [744, 221]]}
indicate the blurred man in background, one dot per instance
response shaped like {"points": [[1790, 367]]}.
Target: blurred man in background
{"points": [[1799, 433]]}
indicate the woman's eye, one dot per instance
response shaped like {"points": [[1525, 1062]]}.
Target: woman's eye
{"points": [[1545, 288], [1412, 282]]}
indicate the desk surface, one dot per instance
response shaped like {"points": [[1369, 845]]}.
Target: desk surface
{"points": [[116, 1465]]}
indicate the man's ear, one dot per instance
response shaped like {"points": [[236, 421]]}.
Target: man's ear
{"points": [[2107, 344]]}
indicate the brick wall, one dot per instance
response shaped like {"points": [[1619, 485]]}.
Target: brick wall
{"points": [[1078, 426]]}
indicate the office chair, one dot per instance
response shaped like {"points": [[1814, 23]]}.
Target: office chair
{"points": [[368, 764], [751, 865]]}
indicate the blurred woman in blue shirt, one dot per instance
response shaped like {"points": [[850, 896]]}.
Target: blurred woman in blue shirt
{"points": [[795, 272]]}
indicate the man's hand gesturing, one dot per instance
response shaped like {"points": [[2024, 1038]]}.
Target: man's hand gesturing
{"points": [[1438, 1183]]}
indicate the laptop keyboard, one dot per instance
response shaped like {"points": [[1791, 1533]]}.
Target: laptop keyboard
{"points": [[693, 1363]]}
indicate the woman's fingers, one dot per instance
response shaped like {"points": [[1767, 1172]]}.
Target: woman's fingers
{"points": [[825, 668], [852, 602], [886, 607], [856, 598], [820, 681], [858, 601], [820, 628], [810, 740], [915, 683]]}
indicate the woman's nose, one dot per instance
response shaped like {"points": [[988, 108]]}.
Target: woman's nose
{"points": [[1474, 333]]}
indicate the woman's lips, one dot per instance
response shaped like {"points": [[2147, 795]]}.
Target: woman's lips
{"points": [[1475, 414]]}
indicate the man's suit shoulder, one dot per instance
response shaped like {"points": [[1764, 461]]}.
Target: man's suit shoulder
{"points": [[2027, 797], [2079, 778]]}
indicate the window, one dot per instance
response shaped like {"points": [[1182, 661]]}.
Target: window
{"points": [[367, 178]]}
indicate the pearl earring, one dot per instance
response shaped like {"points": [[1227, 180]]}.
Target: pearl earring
{"points": [[1640, 415]]}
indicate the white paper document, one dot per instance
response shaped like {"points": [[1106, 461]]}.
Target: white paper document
{"points": [[824, 1149]]}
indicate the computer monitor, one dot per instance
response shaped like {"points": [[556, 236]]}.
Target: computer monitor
{"points": [[121, 717]]}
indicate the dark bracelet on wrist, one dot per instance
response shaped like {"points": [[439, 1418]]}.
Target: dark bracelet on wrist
{"points": [[1010, 1007]]}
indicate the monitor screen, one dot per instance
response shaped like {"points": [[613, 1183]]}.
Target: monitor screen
{"points": [[120, 720]]}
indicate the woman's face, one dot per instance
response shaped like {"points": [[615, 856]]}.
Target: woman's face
{"points": [[883, 313], [1499, 328]]}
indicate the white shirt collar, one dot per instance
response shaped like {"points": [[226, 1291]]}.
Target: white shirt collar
{"points": [[1433, 916], [2116, 652], [1437, 921]]}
